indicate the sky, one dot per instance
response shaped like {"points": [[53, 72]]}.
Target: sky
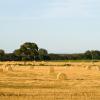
{"points": [[60, 26]]}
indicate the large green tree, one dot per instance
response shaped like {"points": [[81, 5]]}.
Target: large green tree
{"points": [[27, 50]]}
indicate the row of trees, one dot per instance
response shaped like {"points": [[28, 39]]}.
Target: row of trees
{"points": [[30, 51], [27, 51], [88, 55]]}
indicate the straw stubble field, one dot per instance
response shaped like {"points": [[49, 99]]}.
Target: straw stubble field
{"points": [[43, 81]]}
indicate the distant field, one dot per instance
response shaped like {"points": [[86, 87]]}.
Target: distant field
{"points": [[38, 80]]}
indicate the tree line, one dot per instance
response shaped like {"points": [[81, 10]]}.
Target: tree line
{"points": [[30, 51]]}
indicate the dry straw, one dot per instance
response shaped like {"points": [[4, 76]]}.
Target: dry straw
{"points": [[51, 70], [1, 69], [3, 66], [97, 68], [9, 68], [88, 67], [61, 76], [31, 67]]}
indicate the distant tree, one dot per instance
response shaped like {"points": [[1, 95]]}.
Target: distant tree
{"points": [[11, 57], [43, 51], [88, 54], [95, 54], [17, 52], [43, 54], [2, 53]]}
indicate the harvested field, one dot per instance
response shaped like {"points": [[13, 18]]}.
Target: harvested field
{"points": [[33, 81]]}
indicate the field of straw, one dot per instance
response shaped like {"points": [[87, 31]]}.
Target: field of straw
{"points": [[49, 81]]}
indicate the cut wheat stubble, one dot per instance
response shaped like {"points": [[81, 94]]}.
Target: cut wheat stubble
{"points": [[51, 70]]}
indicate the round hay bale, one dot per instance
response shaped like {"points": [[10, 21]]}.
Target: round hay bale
{"points": [[61, 76], [1, 70], [51, 70], [9, 68]]}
